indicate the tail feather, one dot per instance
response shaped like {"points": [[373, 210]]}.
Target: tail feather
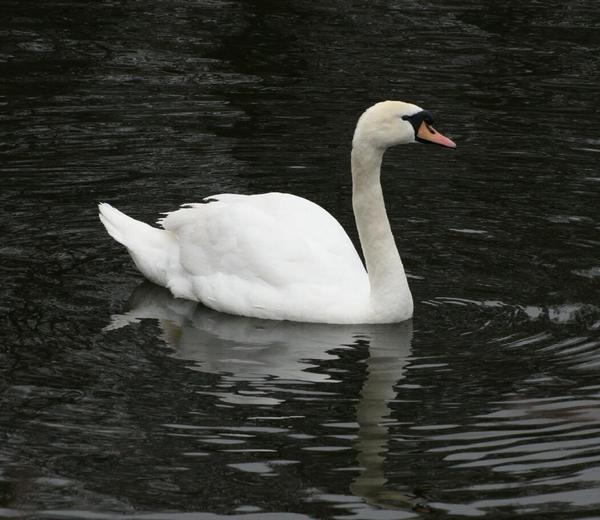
{"points": [[129, 231], [113, 231], [150, 248]]}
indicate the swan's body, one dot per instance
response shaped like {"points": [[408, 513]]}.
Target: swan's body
{"points": [[273, 255], [278, 256]]}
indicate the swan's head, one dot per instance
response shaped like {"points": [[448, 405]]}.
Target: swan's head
{"points": [[390, 123]]}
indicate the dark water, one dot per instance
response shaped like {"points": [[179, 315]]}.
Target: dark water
{"points": [[120, 402]]}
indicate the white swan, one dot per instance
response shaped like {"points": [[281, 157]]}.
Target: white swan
{"points": [[282, 257]]}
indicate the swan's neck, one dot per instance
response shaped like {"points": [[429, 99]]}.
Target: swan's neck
{"points": [[389, 287]]}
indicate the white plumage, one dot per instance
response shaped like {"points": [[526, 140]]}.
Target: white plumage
{"points": [[279, 256]]}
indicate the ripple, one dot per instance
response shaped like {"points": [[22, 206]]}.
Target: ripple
{"points": [[592, 272], [526, 438]]}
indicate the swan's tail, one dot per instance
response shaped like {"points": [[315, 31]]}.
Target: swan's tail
{"points": [[150, 248]]}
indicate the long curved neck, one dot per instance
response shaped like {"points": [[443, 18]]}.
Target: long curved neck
{"points": [[388, 281]]}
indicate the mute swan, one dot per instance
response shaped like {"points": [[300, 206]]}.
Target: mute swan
{"points": [[279, 256]]}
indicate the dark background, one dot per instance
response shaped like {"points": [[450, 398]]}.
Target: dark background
{"points": [[148, 105]]}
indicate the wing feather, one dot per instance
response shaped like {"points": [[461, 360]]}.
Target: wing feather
{"points": [[275, 238]]}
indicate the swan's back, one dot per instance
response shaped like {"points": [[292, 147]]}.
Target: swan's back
{"points": [[272, 255]]}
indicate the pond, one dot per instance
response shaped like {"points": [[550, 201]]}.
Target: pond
{"points": [[119, 401]]}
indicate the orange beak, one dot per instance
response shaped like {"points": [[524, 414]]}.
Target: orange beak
{"points": [[427, 134]]}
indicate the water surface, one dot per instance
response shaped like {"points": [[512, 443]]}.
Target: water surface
{"points": [[121, 402]]}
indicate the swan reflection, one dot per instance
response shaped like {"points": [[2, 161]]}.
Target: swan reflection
{"points": [[265, 353]]}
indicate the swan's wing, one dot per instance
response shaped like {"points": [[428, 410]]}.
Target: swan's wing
{"points": [[275, 239]]}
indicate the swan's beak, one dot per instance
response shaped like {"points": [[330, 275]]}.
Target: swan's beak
{"points": [[427, 134]]}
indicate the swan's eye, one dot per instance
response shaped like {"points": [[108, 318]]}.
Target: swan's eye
{"points": [[417, 119]]}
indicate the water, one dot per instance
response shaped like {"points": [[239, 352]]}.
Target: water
{"points": [[120, 402]]}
